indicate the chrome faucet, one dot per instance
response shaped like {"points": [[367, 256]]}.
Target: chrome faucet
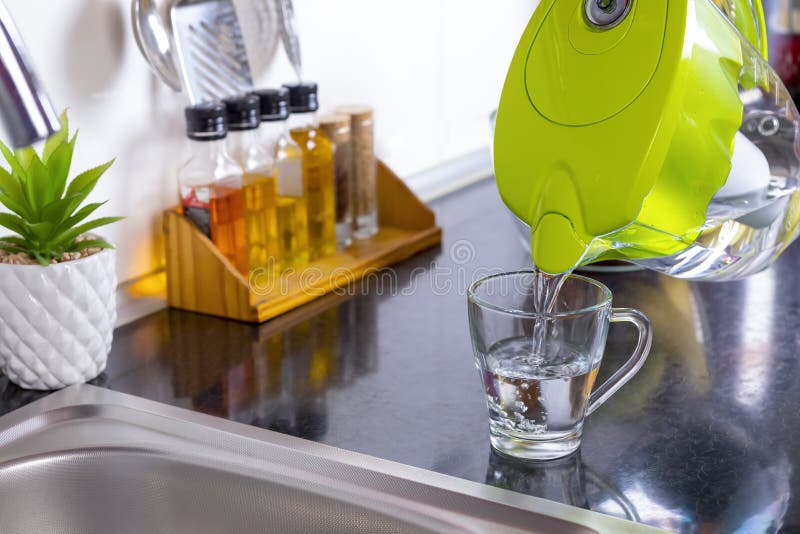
{"points": [[25, 110]]}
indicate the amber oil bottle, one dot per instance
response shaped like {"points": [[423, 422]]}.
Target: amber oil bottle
{"points": [[318, 174], [292, 213], [258, 184], [210, 184]]}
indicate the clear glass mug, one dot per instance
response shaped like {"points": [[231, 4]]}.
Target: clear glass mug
{"points": [[538, 399]]}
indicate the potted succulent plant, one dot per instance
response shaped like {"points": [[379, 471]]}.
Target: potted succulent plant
{"points": [[57, 281]]}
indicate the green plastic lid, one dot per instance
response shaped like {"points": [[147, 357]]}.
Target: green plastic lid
{"points": [[582, 76]]}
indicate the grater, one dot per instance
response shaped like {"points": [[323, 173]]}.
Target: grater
{"points": [[211, 49]]}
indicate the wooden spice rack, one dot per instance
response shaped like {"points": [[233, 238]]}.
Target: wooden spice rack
{"points": [[200, 279]]}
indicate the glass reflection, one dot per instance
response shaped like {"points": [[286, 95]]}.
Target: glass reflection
{"points": [[567, 480], [277, 375]]}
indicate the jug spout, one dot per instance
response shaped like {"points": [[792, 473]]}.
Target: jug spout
{"points": [[558, 238], [556, 248]]}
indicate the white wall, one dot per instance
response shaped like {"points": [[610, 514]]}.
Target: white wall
{"points": [[433, 69]]}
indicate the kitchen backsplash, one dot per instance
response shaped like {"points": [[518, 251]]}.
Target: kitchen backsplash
{"points": [[433, 71]]}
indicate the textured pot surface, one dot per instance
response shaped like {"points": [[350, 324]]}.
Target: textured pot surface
{"points": [[57, 322]]}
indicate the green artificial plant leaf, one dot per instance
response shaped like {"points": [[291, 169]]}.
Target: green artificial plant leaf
{"points": [[59, 210], [13, 240], [24, 156], [12, 205], [69, 235], [58, 138], [16, 167], [58, 164], [38, 186], [42, 257], [14, 223], [86, 180], [11, 186], [79, 216], [77, 246]]}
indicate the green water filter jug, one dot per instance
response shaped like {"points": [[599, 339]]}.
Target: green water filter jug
{"points": [[651, 131]]}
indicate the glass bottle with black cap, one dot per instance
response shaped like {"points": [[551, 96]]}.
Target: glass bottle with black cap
{"points": [[210, 184], [292, 212], [258, 184], [318, 175]]}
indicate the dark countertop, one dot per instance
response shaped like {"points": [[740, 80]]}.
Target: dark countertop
{"points": [[702, 440]]}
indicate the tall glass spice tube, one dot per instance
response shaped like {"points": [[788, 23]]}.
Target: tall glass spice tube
{"points": [[292, 212], [210, 184], [336, 127], [258, 183], [318, 181], [365, 171]]}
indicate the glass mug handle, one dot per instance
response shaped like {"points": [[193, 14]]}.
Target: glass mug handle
{"points": [[604, 391]]}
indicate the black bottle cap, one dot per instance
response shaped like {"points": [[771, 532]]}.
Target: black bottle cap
{"points": [[206, 122], [274, 104], [302, 97], [243, 112]]}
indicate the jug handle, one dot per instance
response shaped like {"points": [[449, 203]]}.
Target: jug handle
{"points": [[604, 392], [747, 16]]}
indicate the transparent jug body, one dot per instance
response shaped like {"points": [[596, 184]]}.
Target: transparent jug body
{"points": [[756, 214]]}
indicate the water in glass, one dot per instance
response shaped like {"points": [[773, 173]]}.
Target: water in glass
{"points": [[539, 397]]}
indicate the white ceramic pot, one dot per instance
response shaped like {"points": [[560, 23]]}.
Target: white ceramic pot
{"points": [[57, 322]]}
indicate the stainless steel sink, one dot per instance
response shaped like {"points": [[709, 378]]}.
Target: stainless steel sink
{"points": [[88, 460]]}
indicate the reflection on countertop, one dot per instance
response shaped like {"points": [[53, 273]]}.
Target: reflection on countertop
{"points": [[267, 378], [275, 376], [702, 440]]}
